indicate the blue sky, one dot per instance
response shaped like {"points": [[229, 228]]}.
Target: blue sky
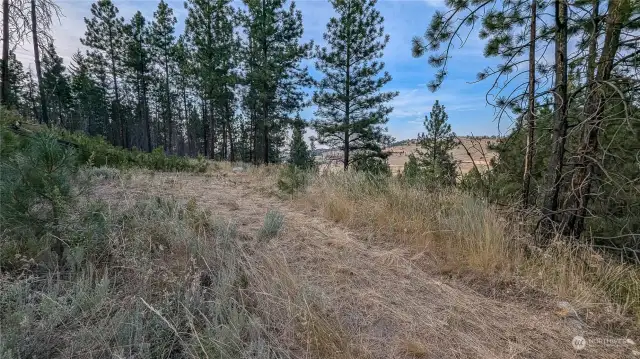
{"points": [[465, 102]]}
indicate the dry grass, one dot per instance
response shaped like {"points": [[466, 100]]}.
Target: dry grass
{"points": [[370, 282], [171, 280], [466, 234]]}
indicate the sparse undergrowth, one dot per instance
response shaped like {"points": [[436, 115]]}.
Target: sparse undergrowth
{"points": [[93, 150]]}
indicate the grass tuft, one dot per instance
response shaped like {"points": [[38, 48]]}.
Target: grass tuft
{"points": [[273, 222]]}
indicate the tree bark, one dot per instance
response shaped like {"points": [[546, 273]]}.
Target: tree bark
{"points": [[205, 127], [212, 129], [531, 118], [4, 92], [347, 109], [169, 112], [145, 109], [265, 87], [585, 174], [556, 162], [36, 55]]}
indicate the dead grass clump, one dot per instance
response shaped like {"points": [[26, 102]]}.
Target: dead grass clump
{"points": [[466, 233]]}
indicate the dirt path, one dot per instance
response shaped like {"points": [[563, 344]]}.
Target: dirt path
{"points": [[388, 304]]}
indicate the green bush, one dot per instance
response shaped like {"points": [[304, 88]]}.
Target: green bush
{"points": [[292, 179], [372, 165], [35, 184], [96, 151], [10, 142]]}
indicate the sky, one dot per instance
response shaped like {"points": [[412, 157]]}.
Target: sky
{"points": [[465, 102]]}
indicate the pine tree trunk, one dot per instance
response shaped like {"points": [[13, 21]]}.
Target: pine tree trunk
{"points": [[116, 108], [145, 109], [36, 55], [169, 112], [347, 112], [254, 137], [212, 129], [186, 108], [205, 127], [32, 99], [531, 118], [5, 54], [232, 152], [224, 138], [556, 162], [585, 175]]}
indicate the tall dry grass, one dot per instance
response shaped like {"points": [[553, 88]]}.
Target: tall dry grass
{"points": [[466, 234], [167, 280]]}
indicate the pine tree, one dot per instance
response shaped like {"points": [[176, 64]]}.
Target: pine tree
{"points": [[16, 84], [276, 75], [55, 82], [209, 28], [299, 154], [411, 169], [104, 36], [351, 106], [163, 40], [89, 99], [434, 155], [137, 59]]}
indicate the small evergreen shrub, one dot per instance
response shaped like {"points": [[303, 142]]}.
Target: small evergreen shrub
{"points": [[35, 184], [292, 179], [372, 165]]}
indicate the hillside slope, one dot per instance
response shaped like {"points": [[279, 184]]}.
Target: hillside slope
{"points": [[377, 300], [479, 154]]}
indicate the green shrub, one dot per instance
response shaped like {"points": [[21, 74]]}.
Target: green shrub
{"points": [[10, 142], [372, 165], [292, 179], [35, 184], [96, 151]]}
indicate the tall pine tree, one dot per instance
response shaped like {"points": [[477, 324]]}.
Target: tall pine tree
{"points": [[55, 82], [275, 73], [138, 61], [351, 106], [104, 36], [434, 157], [89, 98], [163, 41]]}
